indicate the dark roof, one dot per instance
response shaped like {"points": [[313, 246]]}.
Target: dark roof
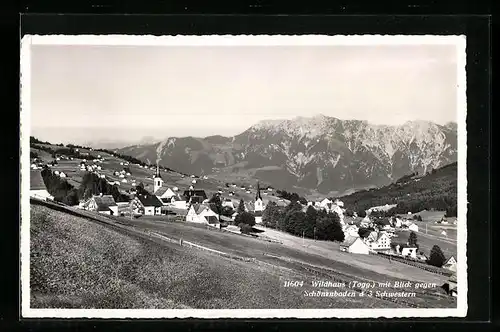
{"points": [[104, 202], [150, 200], [197, 192], [212, 219], [257, 213], [349, 240], [161, 191], [196, 199], [36, 180]]}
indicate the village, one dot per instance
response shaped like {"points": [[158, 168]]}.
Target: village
{"points": [[150, 196]]}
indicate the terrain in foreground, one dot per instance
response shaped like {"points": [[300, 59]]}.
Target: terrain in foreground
{"points": [[79, 263]]}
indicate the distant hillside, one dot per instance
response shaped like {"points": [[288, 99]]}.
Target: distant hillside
{"points": [[435, 190]]}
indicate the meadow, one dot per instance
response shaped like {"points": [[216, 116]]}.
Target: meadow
{"points": [[78, 263]]}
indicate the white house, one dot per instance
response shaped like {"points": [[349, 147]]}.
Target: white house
{"points": [[124, 181], [407, 251], [104, 204], [325, 204], [61, 174], [164, 193], [381, 242], [413, 227], [56, 172], [451, 264], [150, 205], [199, 213], [354, 245], [122, 176]]}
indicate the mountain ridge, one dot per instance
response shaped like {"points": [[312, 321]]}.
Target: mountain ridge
{"points": [[320, 152]]}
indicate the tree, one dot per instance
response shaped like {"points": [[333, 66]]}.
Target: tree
{"points": [[227, 211], [310, 222], [361, 213], [245, 218], [349, 213], [270, 214], [245, 228], [436, 257], [241, 206], [302, 200], [412, 239], [329, 228]]}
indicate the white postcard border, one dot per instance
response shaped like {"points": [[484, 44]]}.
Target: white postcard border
{"points": [[242, 40]]}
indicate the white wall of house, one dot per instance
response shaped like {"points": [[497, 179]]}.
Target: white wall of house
{"points": [[258, 220], [359, 247], [180, 205], [105, 212], [411, 252], [114, 209], [192, 216], [149, 210]]}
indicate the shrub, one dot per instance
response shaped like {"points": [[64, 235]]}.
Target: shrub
{"points": [[245, 228]]}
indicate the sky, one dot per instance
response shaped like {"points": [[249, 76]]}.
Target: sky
{"points": [[82, 93]]}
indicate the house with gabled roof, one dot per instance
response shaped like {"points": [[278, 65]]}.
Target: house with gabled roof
{"points": [[150, 205], [379, 242], [354, 245], [104, 204], [451, 264], [200, 213], [164, 193]]}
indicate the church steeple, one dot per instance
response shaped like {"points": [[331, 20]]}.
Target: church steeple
{"points": [[257, 195], [259, 204], [157, 180]]}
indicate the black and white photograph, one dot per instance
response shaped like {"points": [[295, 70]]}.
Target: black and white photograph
{"points": [[243, 176]]}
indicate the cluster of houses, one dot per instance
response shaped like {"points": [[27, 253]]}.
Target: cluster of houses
{"points": [[379, 239]]}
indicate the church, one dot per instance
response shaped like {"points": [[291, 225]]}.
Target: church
{"points": [[258, 206]]}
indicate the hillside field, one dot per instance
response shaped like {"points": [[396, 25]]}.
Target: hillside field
{"points": [[72, 259]]}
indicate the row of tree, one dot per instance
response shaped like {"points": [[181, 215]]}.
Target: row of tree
{"points": [[60, 189], [293, 197], [92, 184], [317, 224]]}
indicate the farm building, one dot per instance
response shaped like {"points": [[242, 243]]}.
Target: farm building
{"points": [[101, 203], [148, 204], [37, 186], [451, 264], [195, 196], [199, 213], [354, 245]]}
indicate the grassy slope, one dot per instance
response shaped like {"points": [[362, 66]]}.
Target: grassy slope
{"points": [[442, 183], [322, 254], [76, 263]]}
